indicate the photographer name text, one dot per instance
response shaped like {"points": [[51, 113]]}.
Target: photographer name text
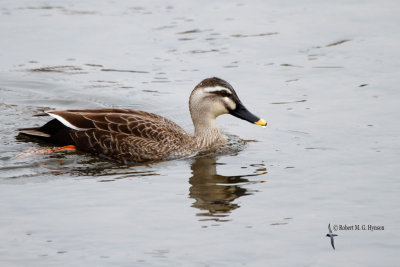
{"points": [[358, 227]]}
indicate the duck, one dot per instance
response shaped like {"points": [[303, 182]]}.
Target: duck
{"points": [[128, 135]]}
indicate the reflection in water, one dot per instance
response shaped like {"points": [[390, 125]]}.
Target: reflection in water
{"points": [[213, 193]]}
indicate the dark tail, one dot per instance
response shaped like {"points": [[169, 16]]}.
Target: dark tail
{"points": [[35, 132], [53, 132]]}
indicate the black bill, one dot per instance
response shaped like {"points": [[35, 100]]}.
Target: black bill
{"points": [[242, 113]]}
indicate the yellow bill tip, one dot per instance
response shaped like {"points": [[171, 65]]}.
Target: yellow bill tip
{"points": [[261, 122]]}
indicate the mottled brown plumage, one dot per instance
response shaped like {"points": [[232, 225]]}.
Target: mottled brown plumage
{"points": [[138, 136]]}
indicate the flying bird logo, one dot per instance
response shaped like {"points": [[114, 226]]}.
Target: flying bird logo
{"points": [[331, 235]]}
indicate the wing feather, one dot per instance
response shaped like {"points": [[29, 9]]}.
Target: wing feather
{"points": [[132, 122], [128, 135]]}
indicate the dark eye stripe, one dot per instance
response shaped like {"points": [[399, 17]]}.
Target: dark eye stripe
{"points": [[222, 93]]}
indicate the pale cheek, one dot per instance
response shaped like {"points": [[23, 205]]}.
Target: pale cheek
{"points": [[219, 110], [230, 104]]}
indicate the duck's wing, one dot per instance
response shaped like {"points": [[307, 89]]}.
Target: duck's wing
{"points": [[128, 135], [329, 228], [120, 121]]}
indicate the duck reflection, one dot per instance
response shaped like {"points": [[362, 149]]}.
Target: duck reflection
{"points": [[214, 194]]}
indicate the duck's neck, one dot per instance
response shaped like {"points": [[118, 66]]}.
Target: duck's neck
{"points": [[206, 132]]}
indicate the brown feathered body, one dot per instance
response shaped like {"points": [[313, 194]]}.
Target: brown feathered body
{"points": [[122, 134]]}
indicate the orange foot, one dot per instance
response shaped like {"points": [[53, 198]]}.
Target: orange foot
{"points": [[33, 151]]}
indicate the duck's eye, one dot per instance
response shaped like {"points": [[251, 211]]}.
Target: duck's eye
{"points": [[223, 93]]}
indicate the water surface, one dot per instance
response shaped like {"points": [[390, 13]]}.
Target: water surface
{"points": [[324, 75]]}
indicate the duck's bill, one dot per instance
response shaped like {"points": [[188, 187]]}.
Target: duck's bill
{"points": [[242, 113]]}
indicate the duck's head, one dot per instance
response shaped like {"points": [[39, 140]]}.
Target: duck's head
{"points": [[213, 97]]}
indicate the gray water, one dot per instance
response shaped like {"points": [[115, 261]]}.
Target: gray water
{"points": [[323, 74]]}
